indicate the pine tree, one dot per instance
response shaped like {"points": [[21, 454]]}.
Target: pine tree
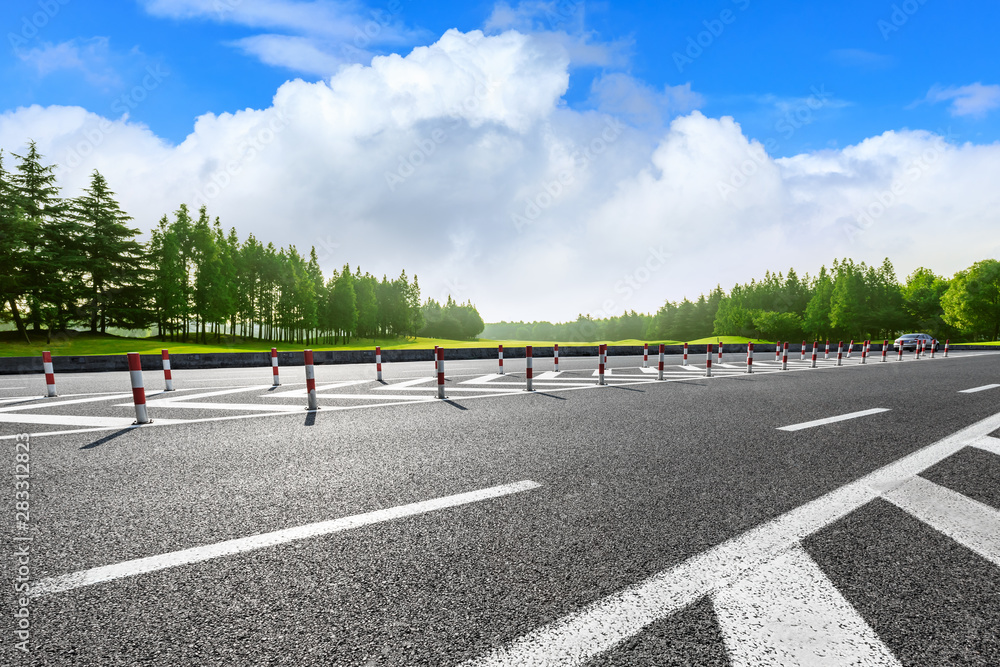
{"points": [[14, 248], [113, 257]]}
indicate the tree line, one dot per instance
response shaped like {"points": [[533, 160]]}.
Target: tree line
{"points": [[848, 300], [79, 261]]}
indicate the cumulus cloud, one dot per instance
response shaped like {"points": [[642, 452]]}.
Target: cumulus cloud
{"points": [[974, 100], [624, 95], [461, 163]]}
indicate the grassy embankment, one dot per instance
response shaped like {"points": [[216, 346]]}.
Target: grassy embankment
{"points": [[80, 343]]}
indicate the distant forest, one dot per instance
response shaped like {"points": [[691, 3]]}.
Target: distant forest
{"points": [[78, 262], [847, 301]]}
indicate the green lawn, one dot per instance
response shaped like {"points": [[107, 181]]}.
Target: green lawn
{"points": [[79, 344]]}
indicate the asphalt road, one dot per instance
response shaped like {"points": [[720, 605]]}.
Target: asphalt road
{"points": [[639, 523]]}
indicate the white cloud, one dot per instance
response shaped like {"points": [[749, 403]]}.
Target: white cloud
{"points": [[310, 37], [974, 100], [621, 94], [90, 57], [421, 162]]}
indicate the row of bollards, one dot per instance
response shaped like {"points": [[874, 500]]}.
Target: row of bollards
{"points": [[781, 352]]}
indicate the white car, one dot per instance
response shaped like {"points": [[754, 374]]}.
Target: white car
{"points": [[910, 341]]}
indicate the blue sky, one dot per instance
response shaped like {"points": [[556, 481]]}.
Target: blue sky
{"points": [[810, 130], [876, 67]]}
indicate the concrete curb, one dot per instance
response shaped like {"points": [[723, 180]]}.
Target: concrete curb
{"points": [[103, 363]]}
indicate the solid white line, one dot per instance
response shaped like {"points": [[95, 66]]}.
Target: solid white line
{"points": [[406, 383], [976, 389], [74, 420], [989, 444], [138, 566], [969, 522], [190, 397], [321, 388], [159, 405], [788, 613], [549, 375], [830, 420], [51, 404], [576, 638]]}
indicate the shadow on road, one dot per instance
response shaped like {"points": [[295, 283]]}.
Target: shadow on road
{"points": [[107, 438]]}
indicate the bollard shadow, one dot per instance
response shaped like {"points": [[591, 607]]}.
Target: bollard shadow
{"points": [[272, 388], [311, 418], [454, 404], [641, 391], [558, 398], [108, 438], [382, 382]]}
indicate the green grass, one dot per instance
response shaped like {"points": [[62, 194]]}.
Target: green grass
{"points": [[82, 344], [993, 343]]}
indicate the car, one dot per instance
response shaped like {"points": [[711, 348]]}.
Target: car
{"points": [[911, 340]]}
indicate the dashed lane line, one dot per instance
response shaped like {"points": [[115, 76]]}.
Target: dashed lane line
{"points": [[139, 566], [787, 612], [978, 389], [600, 626], [831, 420]]}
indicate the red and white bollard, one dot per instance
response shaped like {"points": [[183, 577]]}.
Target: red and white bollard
{"points": [[274, 367], [168, 381], [663, 349], [933, 345], [440, 371], [138, 392], [815, 343], [899, 352], [708, 361], [784, 358], [499, 358], [600, 363], [528, 367], [777, 352], [555, 357], [850, 348], [946, 341], [720, 354], [864, 352], [826, 355], [50, 376], [685, 362], [750, 357], [378, 363], [310, 381], [645, 355], [885, 350], [434, 357], [916, 350], [840, 353], [802, 352]]}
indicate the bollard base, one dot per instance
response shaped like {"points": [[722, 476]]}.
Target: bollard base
{"points": [[138, 423]]}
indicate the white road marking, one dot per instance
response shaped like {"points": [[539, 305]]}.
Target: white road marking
{"points": [[319, 388], [576, 638], [76, 420], [196, 405], [787, 612], [977, 389], [190, 397], [406, 383], [49, 403], [989, 444], [549, 375], [969, 522], [831, 420], [138, 566]]}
